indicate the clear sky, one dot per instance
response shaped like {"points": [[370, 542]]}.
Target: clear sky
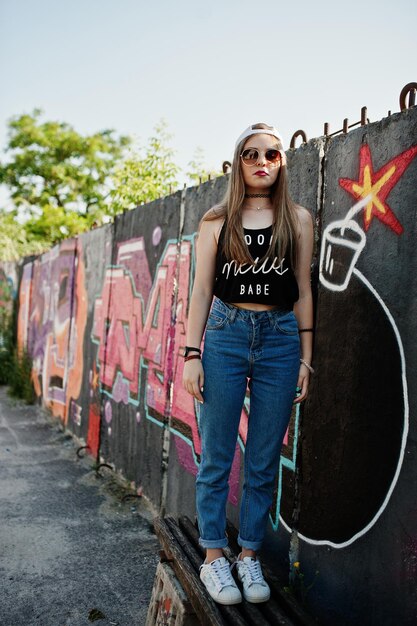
{"points": [[209, 68]]}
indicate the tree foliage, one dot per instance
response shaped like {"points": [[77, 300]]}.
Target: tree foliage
{"points": [[198, 171], [146, 175], [62, 183], [15, 241], [58, 178]]}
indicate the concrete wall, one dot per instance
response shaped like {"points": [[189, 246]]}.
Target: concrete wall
{"points": [[105, 315]]}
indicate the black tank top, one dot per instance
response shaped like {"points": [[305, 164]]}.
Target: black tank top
{"points": [[270, 282]]}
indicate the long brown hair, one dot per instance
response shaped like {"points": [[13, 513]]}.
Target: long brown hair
{"points": [[285, 222]]}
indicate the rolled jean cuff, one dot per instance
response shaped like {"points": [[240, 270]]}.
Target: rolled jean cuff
{"points": [[250, 545], [213, 543]]}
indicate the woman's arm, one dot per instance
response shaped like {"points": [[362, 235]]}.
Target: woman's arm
{"points": [[303, 308], [201, 298]]}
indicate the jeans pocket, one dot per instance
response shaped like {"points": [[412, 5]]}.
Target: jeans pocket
{"points": [[287, 324], [216, 320]]}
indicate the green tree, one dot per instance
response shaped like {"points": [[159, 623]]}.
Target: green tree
{"points": [[146, 175], [57, 178], [198, 171], [15, 242], [62, 183]]}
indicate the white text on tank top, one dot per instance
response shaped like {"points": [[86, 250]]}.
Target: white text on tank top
{"points": [[255, 288]]}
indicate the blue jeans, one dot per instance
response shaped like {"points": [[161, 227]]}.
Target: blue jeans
{"points": [[264, 347]]}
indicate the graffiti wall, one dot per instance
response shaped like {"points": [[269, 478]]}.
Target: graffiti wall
{"points": [[357, 508], [8, 293], [52, 322], [104, 317]]}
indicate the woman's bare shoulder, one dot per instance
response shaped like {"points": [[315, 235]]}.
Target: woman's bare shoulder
{"points": [[305, 225], [304, 215], [212, 212], [213, 225]]}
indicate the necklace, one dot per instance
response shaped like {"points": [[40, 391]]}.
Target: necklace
{"points": [[257, 195], [256, 208]]}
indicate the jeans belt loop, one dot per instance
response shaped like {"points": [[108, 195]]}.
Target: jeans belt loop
{"points": [[271, 318], [232, 313]]}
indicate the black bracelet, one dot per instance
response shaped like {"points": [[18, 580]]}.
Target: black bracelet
{"points": [[306, 330], [188, 349]]}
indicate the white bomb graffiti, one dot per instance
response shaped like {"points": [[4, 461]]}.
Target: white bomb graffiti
{"points": [[362, 401]]}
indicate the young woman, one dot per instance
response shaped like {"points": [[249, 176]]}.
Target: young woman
{"points": [[254, 255]]}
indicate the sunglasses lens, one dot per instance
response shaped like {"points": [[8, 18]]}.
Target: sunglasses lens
{"points": [[272, 156], [250, 156]]}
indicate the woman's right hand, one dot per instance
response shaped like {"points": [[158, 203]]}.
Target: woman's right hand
{"points": [[193, 378]]}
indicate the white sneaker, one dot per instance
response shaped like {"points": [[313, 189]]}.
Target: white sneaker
{"points": [[255, 588], [219, 582]]}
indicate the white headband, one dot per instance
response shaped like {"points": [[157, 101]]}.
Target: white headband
{"points": [[256, 131]]}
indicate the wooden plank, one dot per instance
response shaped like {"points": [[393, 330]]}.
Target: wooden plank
{"points": [[283, 606], [205, 608], [193, 556], [230, 613], [275, 614], [251, 612], [289, 604], [191, 531]]}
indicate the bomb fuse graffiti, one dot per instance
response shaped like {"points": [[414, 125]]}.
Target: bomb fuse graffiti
{"points": [[364, 390]]}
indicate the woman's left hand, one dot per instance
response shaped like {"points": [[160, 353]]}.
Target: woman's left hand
{"points": [[302, 384]]}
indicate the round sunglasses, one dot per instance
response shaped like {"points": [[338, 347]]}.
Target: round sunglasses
{"points": [[250, 156]]}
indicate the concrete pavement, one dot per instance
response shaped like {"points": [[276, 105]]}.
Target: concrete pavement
{"points": [[71, 554]]}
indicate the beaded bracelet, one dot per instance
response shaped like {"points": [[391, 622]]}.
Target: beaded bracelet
{"points": [[308, 366], [306, 330]]}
